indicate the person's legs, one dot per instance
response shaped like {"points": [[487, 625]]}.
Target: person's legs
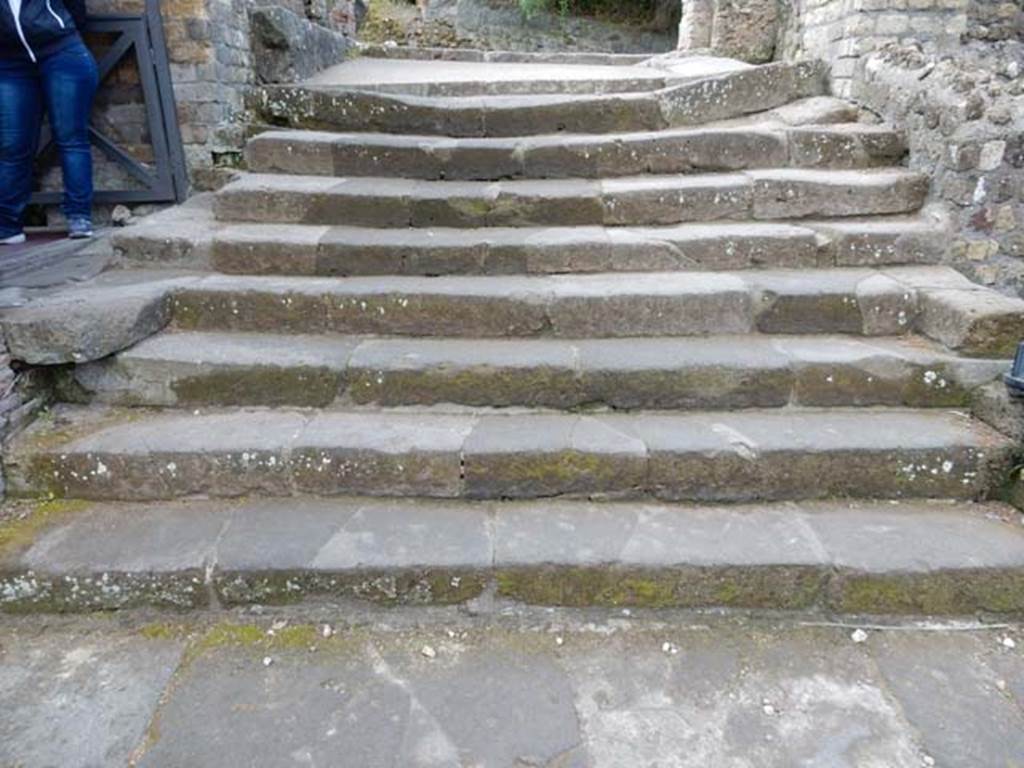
{"points": [[70, 80], [21, 107]]}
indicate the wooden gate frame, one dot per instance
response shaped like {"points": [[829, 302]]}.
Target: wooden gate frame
{"points": [[167, 180]]}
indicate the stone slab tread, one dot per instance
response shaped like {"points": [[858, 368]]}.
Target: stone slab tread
{"points": [[202, 369], [773, 454], [772, 194], [935, 557]]}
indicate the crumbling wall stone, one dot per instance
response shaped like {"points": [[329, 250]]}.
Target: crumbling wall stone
{"points": [[964, 118], [842, 32], [739, 29]]}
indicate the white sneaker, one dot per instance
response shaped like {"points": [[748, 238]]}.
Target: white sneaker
{"points": [[17, 239]]}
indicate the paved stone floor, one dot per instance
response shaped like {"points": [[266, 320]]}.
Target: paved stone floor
{"points": [[504, 686]]}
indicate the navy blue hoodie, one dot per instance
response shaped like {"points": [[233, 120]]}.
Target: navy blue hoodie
{"points": [[41, 28]]}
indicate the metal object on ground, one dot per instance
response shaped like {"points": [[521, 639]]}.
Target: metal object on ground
{"points": [[1015, 378]]}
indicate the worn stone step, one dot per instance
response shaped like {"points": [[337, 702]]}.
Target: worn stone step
{"points": [[692, 150], [847, 301], [637, 200], [448, 78], [93, 320], [770, 454], [203, 369], [189, 237], [703, 100], [836, 557]]}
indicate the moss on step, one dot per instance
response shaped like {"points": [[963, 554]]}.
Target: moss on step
{"points": [[998, 591], [19, 532], [263, 386], [27, 592], [777, 587]]}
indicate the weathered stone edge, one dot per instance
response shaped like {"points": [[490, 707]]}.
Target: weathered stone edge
{"points": [[91, 323], [719, 97], [813, 588]]}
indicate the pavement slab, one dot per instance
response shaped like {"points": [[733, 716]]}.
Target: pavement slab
{"points": [[80, 698], [440, 688]]}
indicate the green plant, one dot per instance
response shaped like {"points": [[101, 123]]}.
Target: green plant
{"points": [[637, 11], [531, 8]]}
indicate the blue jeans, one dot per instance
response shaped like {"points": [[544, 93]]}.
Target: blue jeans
{"points": [[62, 85]]}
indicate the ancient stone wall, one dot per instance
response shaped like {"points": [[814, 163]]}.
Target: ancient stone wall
{"points": [[740, 29], [964, 118], [501, 24], [842, 32]]}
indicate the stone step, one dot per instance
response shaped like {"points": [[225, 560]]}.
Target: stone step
{"points": [[299, 249], [724, 456], [189, 238], [708, 99], [118, 309], [458, 79], [639, 200], [824, 557], [690, 150], [204, 369], [847, 301]]}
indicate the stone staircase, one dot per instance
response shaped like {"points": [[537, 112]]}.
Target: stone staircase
{"points": [[674, 336]]}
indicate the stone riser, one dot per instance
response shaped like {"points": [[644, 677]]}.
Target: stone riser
{"points": [[719, 456], [189, 370], [690, 151], [650, 200], [715, 98]]}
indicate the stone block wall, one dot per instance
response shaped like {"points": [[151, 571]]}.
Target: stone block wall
{"points": [[842, 32], [837, 31], [739, 29], [501, 25], [964, 119]]}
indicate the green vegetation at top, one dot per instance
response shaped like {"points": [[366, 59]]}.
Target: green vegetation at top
{"points": [[632, 11]]}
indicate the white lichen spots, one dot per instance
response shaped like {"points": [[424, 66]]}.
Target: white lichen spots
{"points": [[17, 588]]}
